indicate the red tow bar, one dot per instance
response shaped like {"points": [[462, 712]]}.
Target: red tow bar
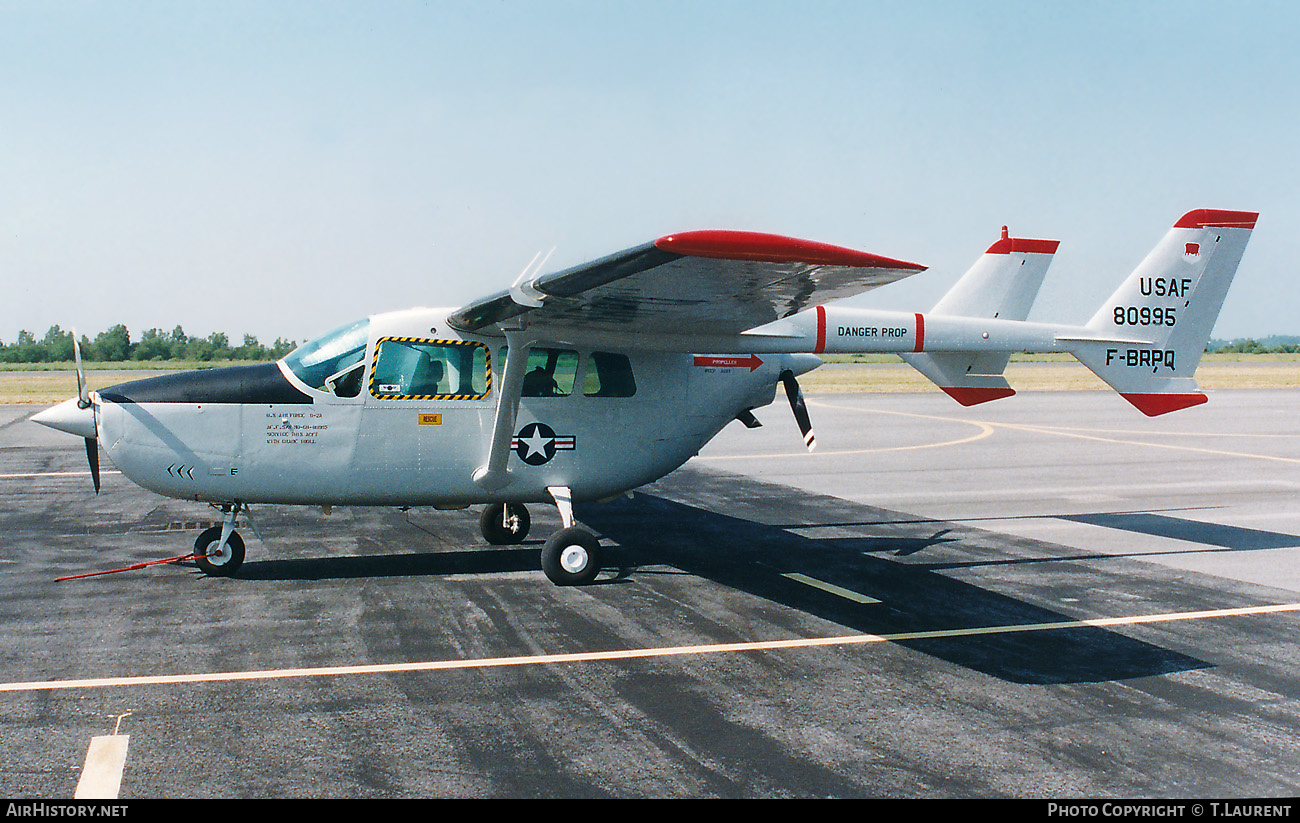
{"points": [[132, 568]]}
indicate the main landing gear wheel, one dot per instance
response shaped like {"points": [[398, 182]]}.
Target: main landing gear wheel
{"points": [[219, 564], [571, 557], [504, 524]]}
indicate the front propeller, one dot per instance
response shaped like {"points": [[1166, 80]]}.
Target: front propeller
{"points": [[78, 415], [84, 402], [799, 407], [92, 455]]}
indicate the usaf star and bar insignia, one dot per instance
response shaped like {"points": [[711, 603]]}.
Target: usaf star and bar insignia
{"points": [[537, 443]]}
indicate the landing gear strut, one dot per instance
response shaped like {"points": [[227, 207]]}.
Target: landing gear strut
{"points": [[571, 557], [504, 524], [219, 551]]}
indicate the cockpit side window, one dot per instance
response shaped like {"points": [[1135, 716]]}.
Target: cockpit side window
{"points": [[334, 361], [408, 368], [608, 375], [550, 372]]}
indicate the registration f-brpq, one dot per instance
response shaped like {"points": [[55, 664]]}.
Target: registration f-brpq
{"points": [[586, 383]]}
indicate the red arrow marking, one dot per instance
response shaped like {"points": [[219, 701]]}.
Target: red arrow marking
{"points": [[750, 360]]}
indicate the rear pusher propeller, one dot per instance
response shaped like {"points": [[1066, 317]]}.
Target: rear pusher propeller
{"points": [[799, 407]]}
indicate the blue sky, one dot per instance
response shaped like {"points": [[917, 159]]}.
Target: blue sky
{"points": [[278, 168]]}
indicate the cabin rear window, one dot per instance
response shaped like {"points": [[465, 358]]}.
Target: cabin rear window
{"points": [[407, 368], [334, 361], [608, 375]]}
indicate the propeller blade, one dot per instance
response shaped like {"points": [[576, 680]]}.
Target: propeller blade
{"points": [[83, 391], [92, 454], [799, 408], [83, 401]]}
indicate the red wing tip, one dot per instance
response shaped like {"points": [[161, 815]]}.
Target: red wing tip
{"points": [[1204, 218], [773, 248], [1156, 404], [1023, 245], [972, 396]]}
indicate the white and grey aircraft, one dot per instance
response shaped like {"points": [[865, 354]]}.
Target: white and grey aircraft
{"points": [[587, 383]]}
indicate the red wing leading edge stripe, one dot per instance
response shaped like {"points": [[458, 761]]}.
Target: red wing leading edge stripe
{"points": [[773, 248]]}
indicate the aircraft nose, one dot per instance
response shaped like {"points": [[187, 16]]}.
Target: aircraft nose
{"points": [[68, 417]]}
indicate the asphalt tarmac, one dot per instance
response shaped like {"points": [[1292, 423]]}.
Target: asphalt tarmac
{"points": [[1050, 596]]}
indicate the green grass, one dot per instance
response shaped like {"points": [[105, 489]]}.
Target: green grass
{"points": [[129, 365], [48, 383]]}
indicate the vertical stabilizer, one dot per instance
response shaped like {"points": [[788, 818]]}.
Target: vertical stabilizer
{"points": [[1002, 284], [1155, 326]]}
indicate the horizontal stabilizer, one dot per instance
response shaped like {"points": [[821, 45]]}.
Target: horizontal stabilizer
{"points": [[952, 372]]}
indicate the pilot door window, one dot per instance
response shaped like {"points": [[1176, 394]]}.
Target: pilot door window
{"points": [[411, 369]]}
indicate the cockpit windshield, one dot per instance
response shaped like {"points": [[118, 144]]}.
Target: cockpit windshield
{"points": [[334, 361]]}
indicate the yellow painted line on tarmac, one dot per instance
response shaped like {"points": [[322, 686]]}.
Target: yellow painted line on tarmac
{"points": [[636, 654], [831, 588], [1151, 433], [1170, 446], [985, 430], [1062, 431]]}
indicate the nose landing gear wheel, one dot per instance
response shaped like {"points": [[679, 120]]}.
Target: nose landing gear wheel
{"points": [[571, 557], [504, 524], [219, 564]]}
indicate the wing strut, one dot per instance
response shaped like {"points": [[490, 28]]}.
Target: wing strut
{"points": [[492, 475]]}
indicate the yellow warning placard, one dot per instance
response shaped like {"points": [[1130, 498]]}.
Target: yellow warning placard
{"points": [[431, 420]]}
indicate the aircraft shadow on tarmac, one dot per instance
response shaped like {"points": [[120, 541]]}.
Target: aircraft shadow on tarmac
{"points": [[755, 557], [526, 558], [652, 531]]}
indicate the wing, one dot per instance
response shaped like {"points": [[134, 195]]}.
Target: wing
{"points": [[714, 282]]}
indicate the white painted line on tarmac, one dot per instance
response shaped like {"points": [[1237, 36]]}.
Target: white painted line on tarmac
{"points": [[635, 654], [52, 474], [101, 776]]}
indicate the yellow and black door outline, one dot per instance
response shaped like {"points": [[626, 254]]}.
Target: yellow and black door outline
{"points": [[413, 368]]}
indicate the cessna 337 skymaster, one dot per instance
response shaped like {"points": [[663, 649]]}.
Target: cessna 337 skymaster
{"points": [[615, 373]]}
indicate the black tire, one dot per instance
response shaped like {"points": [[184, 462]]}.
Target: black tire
{"points": [[225, 564], [504, 524], [571, 557]]}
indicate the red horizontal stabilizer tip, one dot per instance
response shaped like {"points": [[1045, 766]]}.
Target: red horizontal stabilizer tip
{"points": [[1203, 218], [1024, 246], [773, 248], [973, 396], [1156, 404]]}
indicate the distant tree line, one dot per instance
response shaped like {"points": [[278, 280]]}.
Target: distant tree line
{"points": [[1276, 344], [115, 344], [1256, 347]]}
